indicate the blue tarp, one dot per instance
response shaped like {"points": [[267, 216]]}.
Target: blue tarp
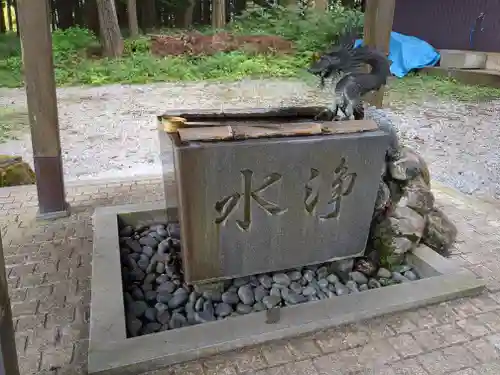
{"points": [[408, 53]]}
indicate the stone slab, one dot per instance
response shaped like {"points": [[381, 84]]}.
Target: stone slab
{"points": [[111, 353], [458, 59], [262, 205]]}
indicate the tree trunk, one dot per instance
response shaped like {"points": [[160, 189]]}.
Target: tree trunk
{"points": [[79, 14], [321, 4], [219, 14], [92, 16], [188, 14], [9, 15], [14, 3], [133, 24], [239, 7], [3, 26], [149, 15], [111, 37], [64, 9]]}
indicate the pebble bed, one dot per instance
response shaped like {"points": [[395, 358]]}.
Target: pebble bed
{"points": [[156, 298]]}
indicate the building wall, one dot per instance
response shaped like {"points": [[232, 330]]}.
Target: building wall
{"points": [[446, 24]]}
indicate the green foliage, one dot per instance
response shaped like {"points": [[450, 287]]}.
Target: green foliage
{"points": [[309, 29]]}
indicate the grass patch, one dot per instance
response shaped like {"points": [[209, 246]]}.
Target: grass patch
{"points": [[416, 87], [12, 122]]}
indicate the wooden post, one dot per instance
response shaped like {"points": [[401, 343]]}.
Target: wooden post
{"points": [[379, 15], [8, 353], [36, 42]]}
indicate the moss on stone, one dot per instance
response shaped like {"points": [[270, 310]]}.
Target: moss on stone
{"points": [[15, 172]]}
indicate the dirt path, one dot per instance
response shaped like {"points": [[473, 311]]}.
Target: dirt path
{"points": [[110, 131]]}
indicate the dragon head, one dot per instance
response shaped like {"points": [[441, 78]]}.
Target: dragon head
{"points": [[339, 58]]}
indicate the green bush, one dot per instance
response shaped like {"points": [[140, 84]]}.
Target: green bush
{"points": [[309, 29]]}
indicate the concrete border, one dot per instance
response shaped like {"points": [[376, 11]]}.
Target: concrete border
{"points": [[111, 353]]}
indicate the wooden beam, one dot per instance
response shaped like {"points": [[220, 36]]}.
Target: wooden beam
{"points": [[36, 42], [379, 16], [8, 354]]}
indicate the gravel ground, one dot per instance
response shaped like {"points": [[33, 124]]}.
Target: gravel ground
{"points": [[110, 131]]}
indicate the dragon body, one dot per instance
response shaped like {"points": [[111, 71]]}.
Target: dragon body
{"points": [[347, 62]]}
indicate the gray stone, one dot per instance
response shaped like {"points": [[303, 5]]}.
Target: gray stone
{"points": [[126, 231], [282, 279], [167, 286], [440, 233], [343, 267], [150, 314], [266, 281], [162, 232], [396, 276], [150, 278], [295, 275], [240, 282], [204, 317], [163, 247], [179, 298], [309, 291], [174, 230], [260, 292], [148, 241], [150, 296], [296, 287], [408, 166], [410, 275], [151, 327], [384, 272], [323, 283], [341, 289], [223, 309], [213, 295], [163, 317], [363, 287], [243, 309], [383, 196], [417, 195], [271, 301], [199, 304], [208, 307], [230, 298], [161, 307], [133, 245], [143, 264], [160, 267], [246, 294], [322, 272], [162, 279], [294, 298], [259, 306], [275, 292], [148, 251], [138, 308], [309, 275], [332, 278], [358, 277], [407, 223], [137, 293], [177, 321], [352, 286], [134, 326], [373, 284]]}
